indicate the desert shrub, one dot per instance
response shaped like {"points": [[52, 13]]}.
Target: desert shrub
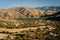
{"points": [[3, 32], [6, 32], [2, 39]]}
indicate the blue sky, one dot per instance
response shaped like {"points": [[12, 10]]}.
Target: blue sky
{"points": [[28, 3]]}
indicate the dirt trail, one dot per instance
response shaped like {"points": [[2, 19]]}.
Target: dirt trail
{"points": [[2, 35], [16, 30]]}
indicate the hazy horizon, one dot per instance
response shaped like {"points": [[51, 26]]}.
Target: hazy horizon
{"points": [[28, 3]]}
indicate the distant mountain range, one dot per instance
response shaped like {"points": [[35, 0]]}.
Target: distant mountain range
{"points": [[52, 8]]}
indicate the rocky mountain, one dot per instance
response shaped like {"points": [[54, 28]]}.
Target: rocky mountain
{"points": [[23, 12]]}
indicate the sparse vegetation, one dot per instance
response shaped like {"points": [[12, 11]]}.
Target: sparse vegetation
{"points": [[41, 33]]}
